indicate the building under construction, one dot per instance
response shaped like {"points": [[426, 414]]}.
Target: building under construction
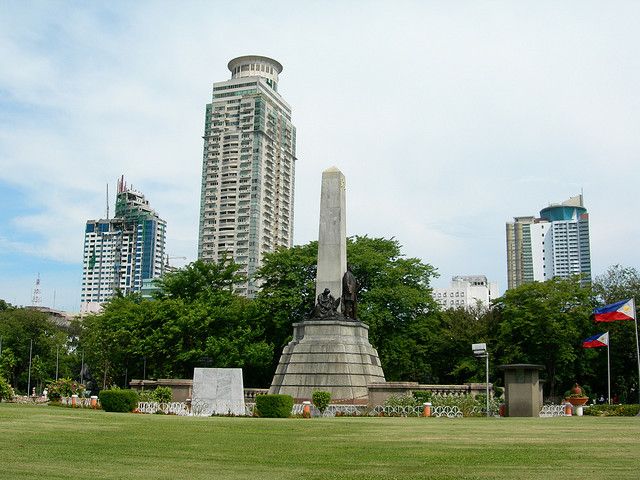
{"points": [[123, 251]]}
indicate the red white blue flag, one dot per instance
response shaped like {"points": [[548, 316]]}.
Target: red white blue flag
{"points": [[622, 310], [598, 340]]}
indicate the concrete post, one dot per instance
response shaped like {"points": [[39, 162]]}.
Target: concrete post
{"points": [[568, 409]]}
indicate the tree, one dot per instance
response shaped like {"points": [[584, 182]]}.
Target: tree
{"points": [[200, 279], [18, 328], [459, 329], [545, 323], [195, 321]]}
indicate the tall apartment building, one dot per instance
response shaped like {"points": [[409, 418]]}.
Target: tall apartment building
{"points": [[555, 244], [248, 168], [467, 291], [123, 251]]}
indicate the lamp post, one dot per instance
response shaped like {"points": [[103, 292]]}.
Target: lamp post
{"points": [[480, 351]]}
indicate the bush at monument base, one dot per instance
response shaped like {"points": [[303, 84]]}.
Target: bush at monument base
{"points": [[321, 400], [274, 406], [118, 400]]}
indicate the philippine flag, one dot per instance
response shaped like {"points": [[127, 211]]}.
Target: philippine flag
{"points": [[622, 310], [598, 340]]}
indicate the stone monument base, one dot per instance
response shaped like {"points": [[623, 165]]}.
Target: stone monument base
{"points": [[328, 355]]}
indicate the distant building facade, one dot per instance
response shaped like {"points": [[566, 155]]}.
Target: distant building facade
{"points": [[555, 244], [120, 253], [467, 291], [248, 169]]}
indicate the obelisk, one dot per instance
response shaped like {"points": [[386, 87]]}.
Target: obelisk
{"points": [[329, 352], [332, 235]]}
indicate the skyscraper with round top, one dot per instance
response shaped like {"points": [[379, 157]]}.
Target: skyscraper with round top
{"points": [[248, 168]]}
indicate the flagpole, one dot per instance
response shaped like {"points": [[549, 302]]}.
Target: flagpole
{"points": [[608, 368], [635, 318]]}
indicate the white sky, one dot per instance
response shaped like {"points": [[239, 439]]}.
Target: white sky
{"points": [[447, 118]]}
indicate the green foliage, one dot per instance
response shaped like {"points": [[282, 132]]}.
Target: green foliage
{"points": [[200, 279], [118, 400], [64, 387], [159, 395], [422, 396], [274, 406], [544, 323], [612, 410], [321, 400], [407, 400], [20, 326], [6, 392], [196, 321], [162, 394]]}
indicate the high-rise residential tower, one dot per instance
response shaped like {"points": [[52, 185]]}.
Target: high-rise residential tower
{"points": [[556, 244], [123, 251], [248, 168]]}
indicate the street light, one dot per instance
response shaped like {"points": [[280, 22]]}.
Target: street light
{"points": [[480, 351]]}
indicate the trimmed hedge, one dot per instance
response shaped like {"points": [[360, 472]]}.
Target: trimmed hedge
{"points": [[117, 400], [612, 410], [274, 406]]}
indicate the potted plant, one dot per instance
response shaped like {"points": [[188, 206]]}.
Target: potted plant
{"points": [[576, 396]]}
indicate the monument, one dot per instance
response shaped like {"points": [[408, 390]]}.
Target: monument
{"points": [[330, 350], [217, 391]]}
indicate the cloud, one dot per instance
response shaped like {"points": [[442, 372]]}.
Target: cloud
{"points": [[447, 120]]}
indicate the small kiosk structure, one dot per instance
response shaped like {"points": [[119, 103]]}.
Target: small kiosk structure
{"points": [[522, 389]]}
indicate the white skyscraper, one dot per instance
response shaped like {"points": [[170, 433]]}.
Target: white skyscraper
{"points": [[248, 168], [121, 252], [554, 245]]}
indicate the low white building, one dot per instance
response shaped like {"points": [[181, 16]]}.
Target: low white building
{"points": [[467, 291]]}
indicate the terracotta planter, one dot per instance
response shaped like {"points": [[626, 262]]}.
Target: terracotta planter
{"points": [[576, 402]]}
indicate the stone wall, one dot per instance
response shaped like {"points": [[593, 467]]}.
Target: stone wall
{"points": [[379, 392]]}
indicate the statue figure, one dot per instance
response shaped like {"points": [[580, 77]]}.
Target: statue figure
{"points": [[350, 289], [326, 306]]}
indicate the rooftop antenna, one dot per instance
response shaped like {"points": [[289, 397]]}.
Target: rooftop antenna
{"points": [[107, 200], [36, 300]]}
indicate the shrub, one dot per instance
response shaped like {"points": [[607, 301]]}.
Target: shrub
{"points": [[612, 410], [274, 406], [321, 400], [117, 400], [146, 396], [6, 392], [162, 394], [64, 387], [407, 400], [422, 396]]}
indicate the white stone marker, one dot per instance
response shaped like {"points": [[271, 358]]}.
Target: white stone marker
{"points": [[332, 236], [218, 390]]}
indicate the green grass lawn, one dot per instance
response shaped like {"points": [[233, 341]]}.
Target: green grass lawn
{"points": [[48, 442]]}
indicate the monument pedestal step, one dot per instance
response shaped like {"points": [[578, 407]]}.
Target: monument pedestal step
{"points": [[328, 355]]}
